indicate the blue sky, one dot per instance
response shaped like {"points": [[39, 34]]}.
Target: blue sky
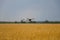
{"points": [[40, 10]]}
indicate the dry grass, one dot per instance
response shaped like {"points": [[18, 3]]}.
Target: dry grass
{"points": [[29, 31]]}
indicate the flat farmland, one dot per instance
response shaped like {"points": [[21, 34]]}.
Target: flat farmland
{"points": [[29, 31]]}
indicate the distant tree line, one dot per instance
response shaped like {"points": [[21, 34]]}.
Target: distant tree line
{"points": [[31, 21]]}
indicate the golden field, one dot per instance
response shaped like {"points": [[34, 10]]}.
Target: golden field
{"points": [[29, 31]]}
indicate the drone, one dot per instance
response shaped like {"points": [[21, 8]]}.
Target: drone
{"points": [[30, 19]]}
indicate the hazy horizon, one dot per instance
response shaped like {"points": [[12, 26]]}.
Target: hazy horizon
{"points": [[40, 10]]}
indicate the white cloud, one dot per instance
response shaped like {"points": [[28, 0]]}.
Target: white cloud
{"points": [[28, 13]]}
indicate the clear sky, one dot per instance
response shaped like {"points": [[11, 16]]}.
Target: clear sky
{"points": [[15, 10]]}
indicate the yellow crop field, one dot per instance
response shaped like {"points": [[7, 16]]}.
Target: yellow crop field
{"points": [[29, 31]]}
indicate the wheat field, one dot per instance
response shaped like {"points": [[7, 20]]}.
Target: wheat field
{"points": [[29, 31]]}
